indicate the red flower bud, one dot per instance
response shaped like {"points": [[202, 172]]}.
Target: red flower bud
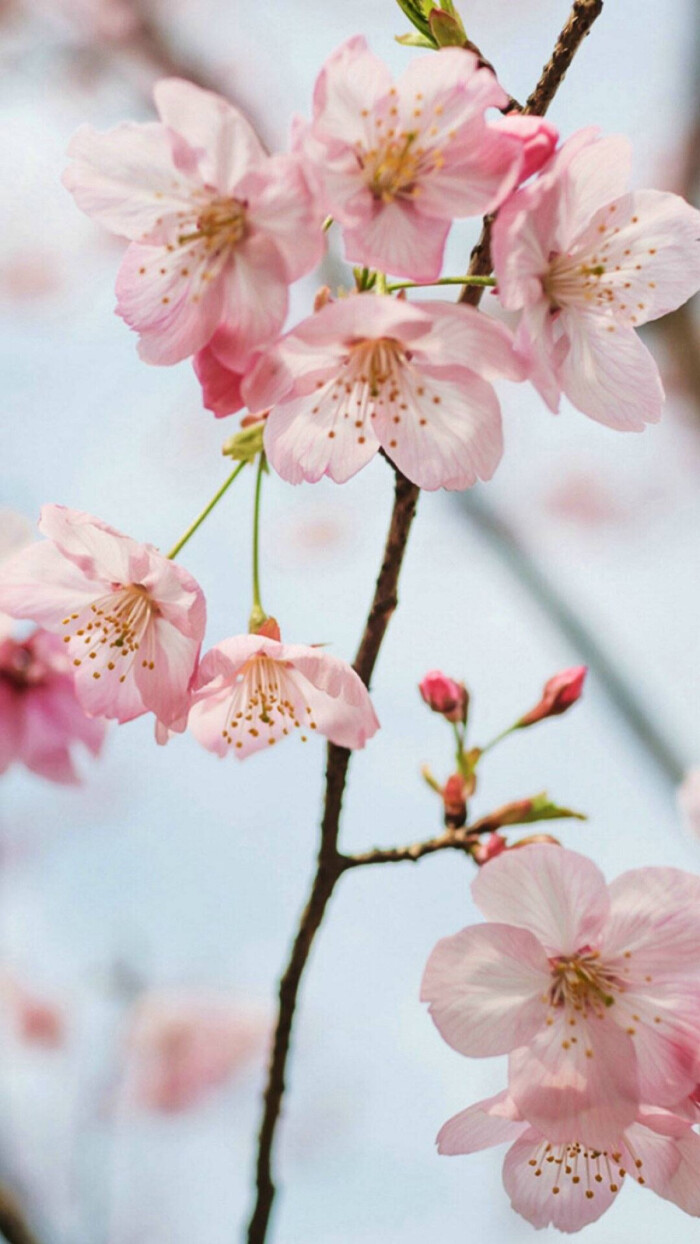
{"points": [[454, 797], [489, 849], [444, 695], [563, 690]]}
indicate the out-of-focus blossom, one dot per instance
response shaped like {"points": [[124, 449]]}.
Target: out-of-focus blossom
{"points": [[444, 695], [41, 721], [397, 163], [689, 801], [560, 692], [587, 264], [131, 621], [594, 991], [35, 1020], [180, 1047], [252, 690], [369, 372], [565, 1182], [218, 228]]}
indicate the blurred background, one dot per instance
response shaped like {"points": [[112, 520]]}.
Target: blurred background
{"points": [[145, 915]]}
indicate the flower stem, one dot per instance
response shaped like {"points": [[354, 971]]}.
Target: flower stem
{"points": [[206, 511], [481, 281], [257, 613]]}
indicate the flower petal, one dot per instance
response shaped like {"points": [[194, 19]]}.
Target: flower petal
{"points": [[486, 988], [530, 1179], [223, 139], [306, 438], [609, 374], [173, 298], [576, 1081], [397, 239], [559, 895], [221, 386], [487, 1123]]}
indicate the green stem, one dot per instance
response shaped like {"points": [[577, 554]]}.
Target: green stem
{"points": [[380, 284], [257, 615], [459, 740], [206, 511], [499, 737], [481, 281]]}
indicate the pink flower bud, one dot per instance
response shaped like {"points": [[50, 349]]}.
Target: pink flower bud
{"points": [[488, 850], [444, 695], [454, 797], [559, 693]]}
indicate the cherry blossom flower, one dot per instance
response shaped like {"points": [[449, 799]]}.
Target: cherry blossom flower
{"points": [[567, 1183], [594, 991], [560, 692], [35, 1020], [369, 371], [41, 720], [131, 621], [587, 264], [182, 1046], [218, 229], [396, 164], [444, 695], [252, 690]]}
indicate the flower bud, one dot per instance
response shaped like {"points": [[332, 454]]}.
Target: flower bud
{"points": [[454, 797], [444, 695], [244, 446], [446, 29], [563, 690], [494, 845]]}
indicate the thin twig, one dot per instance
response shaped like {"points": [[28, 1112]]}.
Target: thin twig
{"points": [[581, 18], [330, 864], [451, 840]]}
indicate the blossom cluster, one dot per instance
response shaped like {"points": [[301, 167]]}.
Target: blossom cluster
{"points": [[593, 992]]}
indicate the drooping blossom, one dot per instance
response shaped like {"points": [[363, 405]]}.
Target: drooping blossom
{"points": [[593, 990], [181, 1046], [397, 163], [587, 264], [131, 621], [41, 721], [689, 801], [565, 1182], [372, 371], [218, 229], [560, 692], [444, 695], [252, 690]]}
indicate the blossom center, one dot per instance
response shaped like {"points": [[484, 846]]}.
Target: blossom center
{"points": [[583, 982], [392, 168], [585, 1169], [222, 221], [113, 629], [572, 281], [264, 701]]}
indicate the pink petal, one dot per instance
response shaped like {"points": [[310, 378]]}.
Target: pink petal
{"points": [[399, 240], [538, 138], [649, 244], [98, 550], [221, 387], [592, 171], [684, 1185], [486, 988], [284, 208], [532, 1194], [255, 299], [224, 140], [165, 689], [174, 299], [127, 180], [576, 1080], [448, 438], [463, 337], [351, 82], [305, 441], [609, 374], [487, 1123], [482, 168], [558, 895], [41, 584], [655, 919], [654, 1158], [451, 82], [340, 703]]}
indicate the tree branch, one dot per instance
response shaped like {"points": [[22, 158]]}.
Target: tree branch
{"points": [[581, 18], [12, 1224], [451, 840], [330, 865]]}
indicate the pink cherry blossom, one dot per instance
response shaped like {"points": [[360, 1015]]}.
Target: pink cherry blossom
{"points": [[218, 229], [565, 1182], [41, 721], [35, 1020], [587, 264], [372, 371], [131, 621], [182, 1046], [396, 164], [252, 690], [560, 692], [593, 990]]}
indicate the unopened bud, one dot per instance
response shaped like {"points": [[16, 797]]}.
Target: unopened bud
{"points": [[559, 693], [454, 797], [487, 850], [446, 29], [323, 297], [244, 446], [444, 695]]}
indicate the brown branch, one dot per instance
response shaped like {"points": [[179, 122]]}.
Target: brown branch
{"points": [[451, 840], [330, 865], [12, 1224], [581, 18]]}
